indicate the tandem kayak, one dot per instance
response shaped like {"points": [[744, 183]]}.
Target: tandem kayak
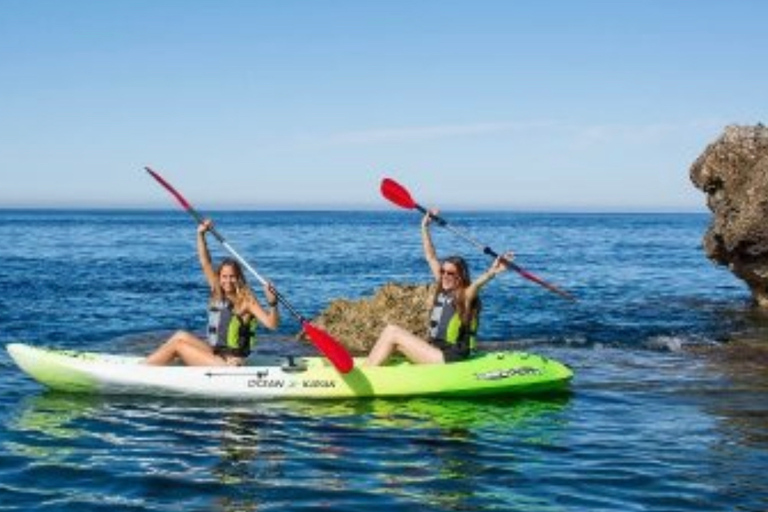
{"points": [[492, 373]]}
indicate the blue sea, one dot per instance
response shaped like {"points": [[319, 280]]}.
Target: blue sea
{"points": [[656, 420]]}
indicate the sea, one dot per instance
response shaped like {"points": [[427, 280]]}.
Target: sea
{"points": [[658, 418]]}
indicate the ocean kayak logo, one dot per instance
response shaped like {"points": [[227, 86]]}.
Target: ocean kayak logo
{"points": [[261, 379], [520, 371]]}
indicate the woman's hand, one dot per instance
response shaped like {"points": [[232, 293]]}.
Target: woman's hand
{"points": [[501, 263], [269, 318], [271, 294], [204, 226], [427, 220]]}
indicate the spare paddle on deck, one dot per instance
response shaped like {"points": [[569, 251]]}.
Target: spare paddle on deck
{"points": [[331, 348], [399, 195]]}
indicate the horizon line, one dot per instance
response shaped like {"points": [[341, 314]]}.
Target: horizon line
{"points": [[351, 207]]}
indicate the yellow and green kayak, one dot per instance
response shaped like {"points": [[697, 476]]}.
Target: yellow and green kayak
{"points": [[492, 373]]}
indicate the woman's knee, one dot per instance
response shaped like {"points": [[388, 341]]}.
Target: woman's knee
{"points": [[393, 331], [180, 338], [181, 335]]}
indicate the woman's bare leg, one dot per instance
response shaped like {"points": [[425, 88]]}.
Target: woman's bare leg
{"points": [[411, 346], [185, 346]]}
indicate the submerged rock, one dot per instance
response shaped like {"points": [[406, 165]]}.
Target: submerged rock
{"points": [[733, 172], [357, 323]]}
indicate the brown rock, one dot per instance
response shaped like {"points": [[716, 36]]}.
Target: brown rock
{"points": [[357, 324], [733, 172]]}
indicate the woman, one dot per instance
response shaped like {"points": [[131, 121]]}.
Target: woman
{"points": [[454, 315], [233, 314]]}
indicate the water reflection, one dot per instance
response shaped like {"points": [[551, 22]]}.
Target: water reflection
{"points": [[737, 404], [739, 384], [431, 452], [288, 454], [52, 414]]}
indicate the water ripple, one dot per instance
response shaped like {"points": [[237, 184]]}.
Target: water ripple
{"points": [[650, 424]]}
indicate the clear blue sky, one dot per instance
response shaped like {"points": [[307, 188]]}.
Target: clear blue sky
{"points": [[562, 105]]}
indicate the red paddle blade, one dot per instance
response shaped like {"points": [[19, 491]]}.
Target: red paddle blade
{"points": [[331, 348], [396, 193], [169, 188]]}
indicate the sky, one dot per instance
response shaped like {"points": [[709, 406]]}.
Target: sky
{"points": [[474, 104]]}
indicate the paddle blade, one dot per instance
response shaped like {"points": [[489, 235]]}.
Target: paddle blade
{"points": [[396, 193], [331, 348], [170, 189]]}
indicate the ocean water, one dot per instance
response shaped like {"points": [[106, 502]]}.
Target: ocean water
{"points": [[655, 420]]}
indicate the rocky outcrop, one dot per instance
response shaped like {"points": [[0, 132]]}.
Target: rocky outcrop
{"points": [[733, 172], [357, 324]]}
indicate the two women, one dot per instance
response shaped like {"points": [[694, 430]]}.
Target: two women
{"points": [[234, 314]]}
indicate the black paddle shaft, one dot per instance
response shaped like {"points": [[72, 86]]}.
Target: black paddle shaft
{"points": [[493, 254]]}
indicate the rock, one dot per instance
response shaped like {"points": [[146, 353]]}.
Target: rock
{"points": [[357, 324], [733, 172]]}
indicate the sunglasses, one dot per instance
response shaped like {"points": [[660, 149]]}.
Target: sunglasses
{"points": [[449, 273]]}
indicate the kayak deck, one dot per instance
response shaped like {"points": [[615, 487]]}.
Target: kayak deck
{"points": [[493, 373]]}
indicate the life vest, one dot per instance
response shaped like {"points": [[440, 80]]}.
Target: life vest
{"points": [[228, 332], [445, 324]]}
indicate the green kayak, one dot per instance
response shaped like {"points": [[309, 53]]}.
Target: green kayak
{"points": [[492, 373]]}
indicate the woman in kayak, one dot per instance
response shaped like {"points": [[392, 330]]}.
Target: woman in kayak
{"points": [[233, 314], [453, 319]]}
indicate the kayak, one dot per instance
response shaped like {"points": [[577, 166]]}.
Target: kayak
{"points": [[271, 377]]}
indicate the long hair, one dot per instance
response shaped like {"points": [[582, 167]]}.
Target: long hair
{"points": [[242, 294], [465, 313]]}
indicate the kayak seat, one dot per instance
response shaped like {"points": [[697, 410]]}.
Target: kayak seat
{"points": [[290, 365]]}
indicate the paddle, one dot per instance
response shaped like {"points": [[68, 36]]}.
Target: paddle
{"points": [[332, 349], [399, 195]]}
